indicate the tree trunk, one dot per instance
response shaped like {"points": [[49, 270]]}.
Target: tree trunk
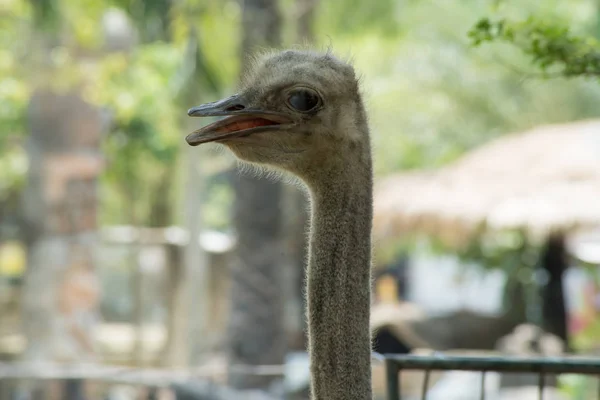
{"points": [[256, 328], [60, 203], [554, 314], [61, 292]]}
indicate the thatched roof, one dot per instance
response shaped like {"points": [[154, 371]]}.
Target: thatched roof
{"points": [[543, 180]]}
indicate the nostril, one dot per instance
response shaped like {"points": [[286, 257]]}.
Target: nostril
{"points": [[235, 107]]}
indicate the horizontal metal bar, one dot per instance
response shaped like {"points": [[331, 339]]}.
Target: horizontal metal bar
{"points": [[125, 375], [549, 365]]}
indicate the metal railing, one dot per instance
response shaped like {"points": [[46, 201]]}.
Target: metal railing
{"points": [[188, 384], [196, 385], [542, 366]]}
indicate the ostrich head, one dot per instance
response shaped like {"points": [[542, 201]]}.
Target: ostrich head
{"points": [[298, 111]]}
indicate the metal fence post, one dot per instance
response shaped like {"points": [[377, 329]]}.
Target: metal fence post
{"points": [[74, 389], [393, 382], [152, 393], [482, 395], [425, 384], [541, 384], [5, 389]]}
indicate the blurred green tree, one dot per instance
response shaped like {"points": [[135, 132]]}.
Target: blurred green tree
{"points": [[557, 52]]}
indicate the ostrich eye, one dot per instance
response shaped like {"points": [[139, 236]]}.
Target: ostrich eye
{"points": [[303, 100]]}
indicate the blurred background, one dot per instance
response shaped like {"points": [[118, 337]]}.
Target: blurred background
{"points": [[120, 246]]}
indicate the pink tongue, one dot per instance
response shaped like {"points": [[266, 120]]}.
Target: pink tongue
{"points": [[245, 124]]}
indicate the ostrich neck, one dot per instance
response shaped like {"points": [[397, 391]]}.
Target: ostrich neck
{"points": [[339, 284]]}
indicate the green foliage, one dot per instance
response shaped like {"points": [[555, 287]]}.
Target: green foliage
{"points": [[357, 17], [152, 17], [144, 139], [14, 95], [431, 96], [145, 92], [46, 14], [13, 166], [508, 251], [14, 91], [552, 47], [577, 387], [81, 22], [136, 89]]}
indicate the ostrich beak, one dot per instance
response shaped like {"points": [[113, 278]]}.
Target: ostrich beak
{"points": [[240, 120]]}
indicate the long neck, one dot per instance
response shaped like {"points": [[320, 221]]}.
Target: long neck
{"points": [[339, 277]]}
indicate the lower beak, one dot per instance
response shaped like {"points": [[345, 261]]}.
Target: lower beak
{"points": [[240, 120]]}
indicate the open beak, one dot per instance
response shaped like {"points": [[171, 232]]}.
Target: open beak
{"points": [[240, 120]]}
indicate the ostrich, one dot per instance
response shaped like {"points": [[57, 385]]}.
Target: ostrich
{"points": [[301, 112]]}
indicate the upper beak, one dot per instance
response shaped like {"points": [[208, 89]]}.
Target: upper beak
{"points": [[242, 120], [222, 107]]}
